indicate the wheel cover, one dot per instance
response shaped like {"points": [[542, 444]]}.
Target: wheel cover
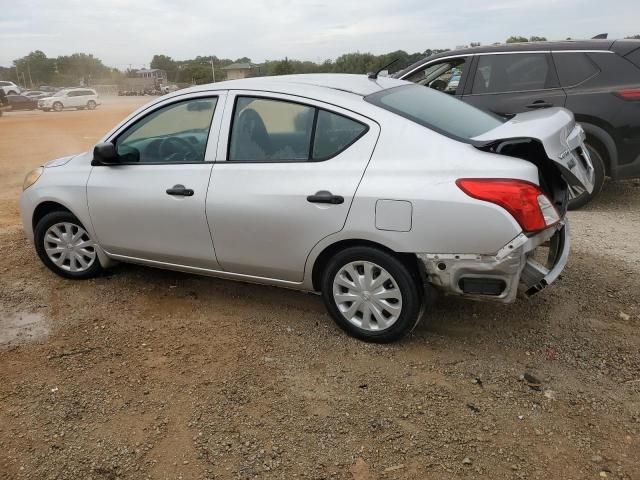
{"points": [[69, 247], [367, 296]]}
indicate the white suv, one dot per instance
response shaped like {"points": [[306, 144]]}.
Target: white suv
{"points": [[10, 88], [79, 98]]}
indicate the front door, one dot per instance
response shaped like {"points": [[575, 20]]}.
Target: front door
{"points": [[514, 83], [447, 75], [291, 170], [151, 205]]}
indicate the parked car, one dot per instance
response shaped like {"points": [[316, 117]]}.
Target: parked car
{"points": [[10, 88], [22, 102], [598, 80], [36, 94], [78, 98], [369, 191]]}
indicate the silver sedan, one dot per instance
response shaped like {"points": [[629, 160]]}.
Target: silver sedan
{"points": [[373, 191]]}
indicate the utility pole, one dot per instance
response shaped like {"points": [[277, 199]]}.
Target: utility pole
{"points": [[213, 71], [29, 70]]}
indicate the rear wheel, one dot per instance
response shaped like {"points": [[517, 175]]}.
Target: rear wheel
{"points": [[58, 106], [579, 197], [371, 294], [65, 247]]}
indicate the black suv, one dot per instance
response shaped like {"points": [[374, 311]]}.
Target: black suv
{"points": [[598, 80]]}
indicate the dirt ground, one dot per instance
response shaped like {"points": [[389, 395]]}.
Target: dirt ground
{"points": [[145, 373]]}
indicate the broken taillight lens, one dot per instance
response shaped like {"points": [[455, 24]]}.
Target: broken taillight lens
{"points": [[531, 208]]}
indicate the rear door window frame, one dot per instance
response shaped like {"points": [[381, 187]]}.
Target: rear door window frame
{"points": [[227, 128]]}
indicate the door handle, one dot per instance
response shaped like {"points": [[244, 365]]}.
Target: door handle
{"points": [[324, 196], [180, 190], [540, 104]]}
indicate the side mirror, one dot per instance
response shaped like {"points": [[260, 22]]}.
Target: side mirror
{"points": [[105, 154]]}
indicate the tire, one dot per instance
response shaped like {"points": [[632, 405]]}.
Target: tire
{"points": [[576, 202], [12, 92], [57, 107], [403, 288], [58, 231], [91, 105]]}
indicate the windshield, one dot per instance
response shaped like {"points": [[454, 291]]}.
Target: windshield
{"points": [[436, 110], [61, 93]]}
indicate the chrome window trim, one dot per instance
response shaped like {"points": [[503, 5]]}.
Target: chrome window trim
{"points": [[478, 54]]}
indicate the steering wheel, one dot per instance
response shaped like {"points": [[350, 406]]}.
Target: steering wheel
{"points": [[176, 149], [439, 84]]}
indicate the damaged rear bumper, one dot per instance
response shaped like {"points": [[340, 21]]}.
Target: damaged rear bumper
{"points": [[499, 277]]}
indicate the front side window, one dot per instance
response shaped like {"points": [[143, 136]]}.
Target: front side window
{"points": [[444, 76], [517, 72], [177, 133], [269, 130], [442, 113]]}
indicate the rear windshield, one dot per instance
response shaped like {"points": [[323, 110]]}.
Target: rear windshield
{"points": [[436, 110]]}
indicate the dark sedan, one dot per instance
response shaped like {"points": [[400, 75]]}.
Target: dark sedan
{"points": [[22, 102], [598, 80]]}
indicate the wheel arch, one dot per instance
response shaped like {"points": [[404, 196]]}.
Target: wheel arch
{"points": [[321, 260], [45, 208]]}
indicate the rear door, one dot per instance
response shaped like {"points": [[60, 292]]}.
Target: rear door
{"points": [[286, 172], [509, 83]]}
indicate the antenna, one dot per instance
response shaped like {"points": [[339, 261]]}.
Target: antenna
{"points": [[374, 75]]}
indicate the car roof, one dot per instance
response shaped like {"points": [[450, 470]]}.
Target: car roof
{"points": [[621, 46], [316, 84]]}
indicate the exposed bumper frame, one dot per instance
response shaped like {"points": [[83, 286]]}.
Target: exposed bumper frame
{"points": [[513, 264]]}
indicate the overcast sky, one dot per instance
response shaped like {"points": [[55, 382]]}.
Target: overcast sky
{"points": [[123, 32]]}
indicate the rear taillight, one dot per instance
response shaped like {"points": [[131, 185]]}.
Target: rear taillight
{"points": [[629, 94], [525, 201]]}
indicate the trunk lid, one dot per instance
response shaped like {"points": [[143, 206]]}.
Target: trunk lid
{"points": [[560, 136]]}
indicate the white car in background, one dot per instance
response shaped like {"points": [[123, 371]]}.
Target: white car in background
{"points": [[10, 88], [372, 191], [78, 98]]}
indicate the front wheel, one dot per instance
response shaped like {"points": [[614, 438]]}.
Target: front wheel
{"points": [[371, 294], [58, 107], [578, 197], [65, 247], [91, 105]]}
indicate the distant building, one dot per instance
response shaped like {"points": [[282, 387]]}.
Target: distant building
{"points": [[159, 76], [236, 71]]}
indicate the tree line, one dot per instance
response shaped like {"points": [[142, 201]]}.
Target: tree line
{"points": [[37, 69]]}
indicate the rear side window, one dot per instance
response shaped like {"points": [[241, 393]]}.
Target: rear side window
{"points": [[270, 130], [574, 68], [440, 112], [517, 72], [334, 133], [634, 57]]}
